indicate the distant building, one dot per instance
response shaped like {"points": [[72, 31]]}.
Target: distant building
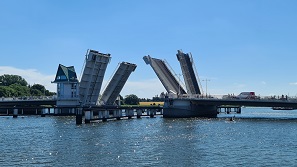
{"points": [[67, 86]]}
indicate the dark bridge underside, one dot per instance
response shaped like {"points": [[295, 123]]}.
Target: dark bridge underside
{"points": [[27, 103], [252, 103]]}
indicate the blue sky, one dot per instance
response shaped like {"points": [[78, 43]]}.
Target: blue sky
{"points": [[239, 45]]}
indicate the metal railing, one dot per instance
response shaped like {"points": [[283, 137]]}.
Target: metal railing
{"points": [[28, 98]]}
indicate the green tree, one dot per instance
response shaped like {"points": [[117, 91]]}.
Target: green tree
{"points": [[37, 90], [16, 86], [6, 91], [7, 80], [19, 90], [131, 100]]}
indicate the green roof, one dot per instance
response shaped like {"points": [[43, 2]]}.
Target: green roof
{"points": [[66, 74]]}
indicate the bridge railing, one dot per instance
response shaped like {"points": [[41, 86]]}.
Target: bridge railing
{"points": [[233, 97], [27, 98]]}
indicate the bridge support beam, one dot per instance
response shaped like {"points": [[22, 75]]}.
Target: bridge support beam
{"points": [[56, 111], [15, 113], [239, 110], [105, 115], [152, 113], [100, 114], [139, 113], [88, 116], [43, 112], [78, 116], [129, 113], [118, 114]]}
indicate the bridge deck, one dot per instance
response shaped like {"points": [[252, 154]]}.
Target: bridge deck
{"points": [[245, 102]]}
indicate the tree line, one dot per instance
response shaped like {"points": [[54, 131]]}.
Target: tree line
{"points": [[16, 86]]}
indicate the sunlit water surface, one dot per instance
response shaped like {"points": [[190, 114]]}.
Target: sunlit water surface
{"points": [[257, 137]]}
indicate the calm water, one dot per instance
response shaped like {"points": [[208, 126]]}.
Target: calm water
{"points": [[258, 137]]}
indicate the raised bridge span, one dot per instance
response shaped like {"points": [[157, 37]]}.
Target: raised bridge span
{"points": [[190, 76], [183, 105], [166, 76], [117, 83]]}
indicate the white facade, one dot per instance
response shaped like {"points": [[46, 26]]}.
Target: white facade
{"points": [[67, 94]]}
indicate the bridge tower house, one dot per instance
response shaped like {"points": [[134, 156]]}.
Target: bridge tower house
{"points": [[67, 89]]}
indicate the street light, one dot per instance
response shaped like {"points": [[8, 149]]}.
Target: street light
{"points": [[206, 80]]}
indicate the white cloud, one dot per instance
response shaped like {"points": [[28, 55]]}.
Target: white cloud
{"points": [[294, 83], [263, 83], [32, 76]]}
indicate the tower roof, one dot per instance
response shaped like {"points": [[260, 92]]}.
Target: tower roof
{"points": [[67, 74]]}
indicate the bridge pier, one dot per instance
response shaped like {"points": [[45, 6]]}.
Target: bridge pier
{"points": [[119, 114], [15, 112], [105, 115], [56, 111], [88, 116], [127, 113], [131, 113], [152, 113], [239, 110], [139, 113], [228, 110], [43, 112], [100, 114], [78, 116]]}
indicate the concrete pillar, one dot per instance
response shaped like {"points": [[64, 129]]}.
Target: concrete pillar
{"points": [[56, 111], [100, 114], [15, 113], [73, 111], [88, 117], [239, 110], [36, 111], [119, 114], [152, 111], [105, 115], [78, 116], [22, 111], [130, 113], [43, 111], [126, 112], [92, 114], [139, 113], [114, 113]]}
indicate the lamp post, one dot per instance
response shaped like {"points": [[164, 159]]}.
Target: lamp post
{"points": [[206, 80]]}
